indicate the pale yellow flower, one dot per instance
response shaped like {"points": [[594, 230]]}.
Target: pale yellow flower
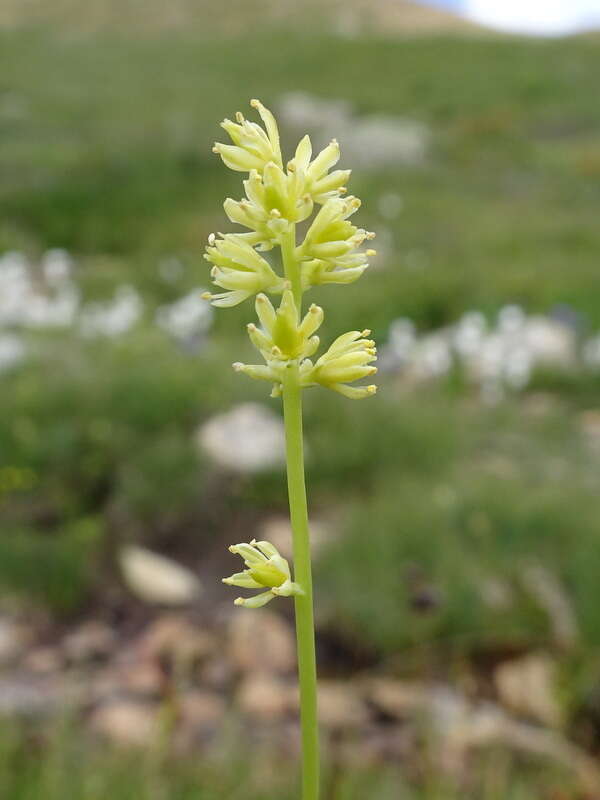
{"points": [[265, 569]]}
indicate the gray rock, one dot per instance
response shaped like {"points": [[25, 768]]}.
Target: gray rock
{"points": [[248, 438], [371, 142], [157, 580]]}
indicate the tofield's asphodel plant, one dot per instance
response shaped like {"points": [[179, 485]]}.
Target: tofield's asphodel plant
{"points": [[280, 195]]}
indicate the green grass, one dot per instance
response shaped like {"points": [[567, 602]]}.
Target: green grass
{"points": [[105, 149], [60, 763]]}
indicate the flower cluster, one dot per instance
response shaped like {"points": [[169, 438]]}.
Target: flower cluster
{"points": [[282, 338], [265, 569], [277, 197]]}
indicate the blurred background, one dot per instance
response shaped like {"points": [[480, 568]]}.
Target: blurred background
{"points": [[455, 515]]}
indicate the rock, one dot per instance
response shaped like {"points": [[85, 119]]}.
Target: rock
{"points": [[590, 353], [589, 424], [370, 142], [14, 639], [265, 697], [396, 699], [157, 580], [249, 438], [341, 705], [90, 642], [201, 711], [112, 318], [13, 350], [261, 642], [464, 727], [44, 660], [127, 722], [377, 745], [176, 640], [217, 672], [22, 696], [187, 318], [526, 686], [141, 678]]}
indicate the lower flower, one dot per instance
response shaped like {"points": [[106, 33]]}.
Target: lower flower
{"points": [[265, 569]]}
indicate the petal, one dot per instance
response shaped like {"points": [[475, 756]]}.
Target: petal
{"points": [[237, 158], [228, 299], [248, 553], [265, 312], [312, 320], [325, 160], [266, 547], [242, 579], [257, 601], [270, 125], [354, 392]]}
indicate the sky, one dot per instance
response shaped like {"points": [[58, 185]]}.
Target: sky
{"points": [[543, 17]]}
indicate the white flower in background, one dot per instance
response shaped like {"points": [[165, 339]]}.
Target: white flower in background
{"points": [[187, 318], [112, 318], [13, 350]]}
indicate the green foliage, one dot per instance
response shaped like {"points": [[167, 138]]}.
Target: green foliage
{"points": [[105, 150], [70, 767], [462, 534]]}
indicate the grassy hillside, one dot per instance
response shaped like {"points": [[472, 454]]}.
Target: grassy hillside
{"points": [[205, 18], [105, 150]]}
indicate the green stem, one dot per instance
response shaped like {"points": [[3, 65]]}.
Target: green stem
{"points": [[305, 627], [290, 265], [305, 632]]}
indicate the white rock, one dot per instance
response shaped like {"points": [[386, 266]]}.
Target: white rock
{"points": [[528, 686], [188, 317], [551, 343], [13, 350], [113, 318], [249, 438], [591, 353], [129, 723], [13, 641], [57, 266], [261, 642], [156, 579], [370, 142], [265, 697]]}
